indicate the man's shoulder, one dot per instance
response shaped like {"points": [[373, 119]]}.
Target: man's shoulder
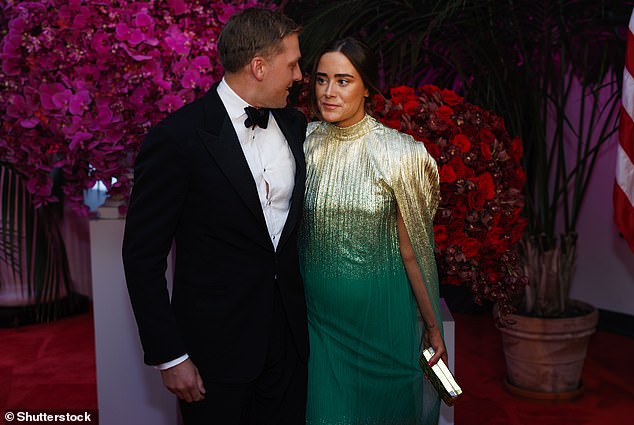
{"points": [[293, 120], [186, 118], [292, 114]]}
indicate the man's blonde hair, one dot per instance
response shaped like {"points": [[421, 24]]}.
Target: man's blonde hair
{"points": [[252, 32]]}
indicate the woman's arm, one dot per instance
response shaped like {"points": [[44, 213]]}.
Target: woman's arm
{"points": [[433, 336]]}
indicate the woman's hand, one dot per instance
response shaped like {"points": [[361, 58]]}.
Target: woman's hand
{"points": [[434, 339]]}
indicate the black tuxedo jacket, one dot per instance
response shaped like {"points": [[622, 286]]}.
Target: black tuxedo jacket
{"points": [[193, 185]]}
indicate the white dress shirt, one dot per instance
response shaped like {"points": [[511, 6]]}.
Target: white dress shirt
{"points": [[272, 166], [270, 160]]}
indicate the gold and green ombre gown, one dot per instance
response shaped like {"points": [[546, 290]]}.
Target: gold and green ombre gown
{"points": [[362, 314]]}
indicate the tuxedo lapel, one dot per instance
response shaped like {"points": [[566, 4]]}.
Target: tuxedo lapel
{"points": [[221, 141], [294, 142]]}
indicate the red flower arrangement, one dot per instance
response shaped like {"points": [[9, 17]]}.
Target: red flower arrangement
{"points": [[478, 223]]}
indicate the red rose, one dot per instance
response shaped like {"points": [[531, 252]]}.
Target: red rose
{"points": [[392, 123], [400, 93], [486, 136], [440, 232], [516, 149], [485, 185], [379, 102], [430, 88], [475, 200], [432, 148], [450, 97], [470, 247], [462, 171], [411, 106], [445, 112], [486, 152], [493, 274], [462, 142], [447, 174], [494, 236], [440, 236]]}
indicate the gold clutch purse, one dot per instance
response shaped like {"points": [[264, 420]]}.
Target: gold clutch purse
{"points": [[440, 377]]}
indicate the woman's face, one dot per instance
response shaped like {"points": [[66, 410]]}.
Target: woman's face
{"points": [[339, 90]]}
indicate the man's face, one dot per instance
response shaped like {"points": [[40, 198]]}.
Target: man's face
{"points": [[282, 70]]}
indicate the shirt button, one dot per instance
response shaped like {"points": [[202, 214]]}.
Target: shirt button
{"points": [[273, 236]]}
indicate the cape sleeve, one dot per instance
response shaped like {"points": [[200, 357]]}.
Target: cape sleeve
{"points": [[416, 186]]}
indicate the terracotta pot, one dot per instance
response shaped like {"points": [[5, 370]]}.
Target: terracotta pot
{"points": [[544, 357]]}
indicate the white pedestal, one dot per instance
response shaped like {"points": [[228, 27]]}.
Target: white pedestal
{"points": [[446, 412], [128, 391], [449, 326]]}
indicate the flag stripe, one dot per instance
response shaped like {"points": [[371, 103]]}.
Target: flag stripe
{"points": [[625, 175], [624, 217], [626, 134], [623, 193]]}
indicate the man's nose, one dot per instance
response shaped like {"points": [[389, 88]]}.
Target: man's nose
{"points": [[297, 75]]}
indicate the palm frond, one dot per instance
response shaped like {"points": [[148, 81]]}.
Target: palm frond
{"points": [[33, 251]]}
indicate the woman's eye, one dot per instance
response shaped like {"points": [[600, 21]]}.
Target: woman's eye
{"points": [[321, 80], [343, 82]]}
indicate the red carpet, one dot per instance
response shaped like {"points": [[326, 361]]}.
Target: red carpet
{"points": [[608, 377], [49, 366], [52, 366]]}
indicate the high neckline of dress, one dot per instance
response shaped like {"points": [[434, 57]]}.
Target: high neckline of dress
{"points": [[355, 131]]}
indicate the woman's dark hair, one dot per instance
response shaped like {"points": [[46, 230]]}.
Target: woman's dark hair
{"points": [[359, 55]]}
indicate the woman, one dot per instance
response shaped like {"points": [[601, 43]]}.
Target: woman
{"points": [[366, 250]]}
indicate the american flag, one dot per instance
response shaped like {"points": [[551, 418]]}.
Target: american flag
{"points": [[624, 184]]}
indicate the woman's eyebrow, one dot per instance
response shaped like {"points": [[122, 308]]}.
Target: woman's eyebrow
{"points": [[323, 74]]}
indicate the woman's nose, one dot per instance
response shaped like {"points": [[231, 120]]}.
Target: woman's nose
{"points": [[329, 91]]}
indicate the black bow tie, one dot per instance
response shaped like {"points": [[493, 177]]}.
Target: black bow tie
{"points": [[259, 117]]}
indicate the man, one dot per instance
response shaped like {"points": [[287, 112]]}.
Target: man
{"points": [[228, 189]]}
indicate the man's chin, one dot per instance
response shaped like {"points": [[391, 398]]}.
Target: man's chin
{"points": [[280, 104]]}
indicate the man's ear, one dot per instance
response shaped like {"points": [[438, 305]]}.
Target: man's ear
{"points": [[257, 67]]}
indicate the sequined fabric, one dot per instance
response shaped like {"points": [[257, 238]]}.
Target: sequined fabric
{"points": [[364, 336]]}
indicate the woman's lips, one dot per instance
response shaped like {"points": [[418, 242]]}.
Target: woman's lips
{"points": [[329, 106]]}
